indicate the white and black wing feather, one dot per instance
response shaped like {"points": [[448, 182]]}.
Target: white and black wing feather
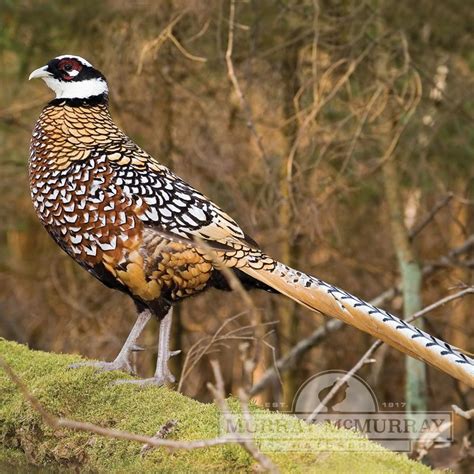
{"points": [[176, 207]]}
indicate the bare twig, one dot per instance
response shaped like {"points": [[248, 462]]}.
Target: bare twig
{"points": [[245, 440], [360, 127], [143, 439], [362, 361], [167, 34], [430, 439], [467, 414], [237, 286], [49, 419], [204, 345], [276, 371], [316, 107], [448, 259], [201, 347], [183, 51], [157, 43], [466, 291], [422, 224], [236, 85], [290, 360]]}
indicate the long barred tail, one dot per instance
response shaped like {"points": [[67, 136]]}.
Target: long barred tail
{"points": [[320, 296]]}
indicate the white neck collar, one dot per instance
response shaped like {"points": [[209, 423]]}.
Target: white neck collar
{"points": [[77, 90]]}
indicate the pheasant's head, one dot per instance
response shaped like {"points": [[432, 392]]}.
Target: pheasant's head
{"points": [[72, 77]]}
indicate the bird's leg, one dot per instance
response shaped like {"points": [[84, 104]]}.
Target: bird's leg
{"points": [[122, 361], [162, 371], [163, 374]]}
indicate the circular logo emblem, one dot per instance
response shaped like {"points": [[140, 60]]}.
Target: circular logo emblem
{"points": [[354, 395]]}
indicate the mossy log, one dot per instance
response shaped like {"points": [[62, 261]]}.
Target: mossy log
{"points": [[86, 395]]}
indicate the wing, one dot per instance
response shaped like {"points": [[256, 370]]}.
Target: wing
{"points": [[171, 205]]}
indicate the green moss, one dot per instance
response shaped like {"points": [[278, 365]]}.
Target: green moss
{"points": [[86, 395]]}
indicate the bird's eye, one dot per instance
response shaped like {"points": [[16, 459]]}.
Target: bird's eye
{"points": [[68, 67]]}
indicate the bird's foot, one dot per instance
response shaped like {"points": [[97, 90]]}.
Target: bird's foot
{"points": [[162, 375], [120, 363]]}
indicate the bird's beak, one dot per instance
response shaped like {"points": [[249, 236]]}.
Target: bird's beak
{"points": [[40, 73]]}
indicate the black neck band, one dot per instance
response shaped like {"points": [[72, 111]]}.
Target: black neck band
{"points": [[101, 99]]}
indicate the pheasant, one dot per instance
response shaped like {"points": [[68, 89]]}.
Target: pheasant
{"points": [[142, 230]]}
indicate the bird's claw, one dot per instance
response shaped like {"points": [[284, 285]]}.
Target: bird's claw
{"points": [[162, 376]]}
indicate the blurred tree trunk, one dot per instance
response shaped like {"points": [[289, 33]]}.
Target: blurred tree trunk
{"points": [[286, 308], [458, 234], [410, 271], [459, 314]]}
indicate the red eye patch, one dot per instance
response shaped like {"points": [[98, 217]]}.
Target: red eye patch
{"points": [[69, 68]]}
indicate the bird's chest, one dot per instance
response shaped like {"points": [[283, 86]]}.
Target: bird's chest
{"points": [[82, 208]]}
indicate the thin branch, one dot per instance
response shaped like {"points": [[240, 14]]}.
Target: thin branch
{"points": [[183, 51], [143, 439], [316, 107], [466, 291], [237, 286], [467, 414], [246, 440], [290, 360], [156, 43], [447, 260], [48, 418], [200, 348], [431, 439], [360, 127], [206, 344], [362, 361], [422, 224], [236, 85]]}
